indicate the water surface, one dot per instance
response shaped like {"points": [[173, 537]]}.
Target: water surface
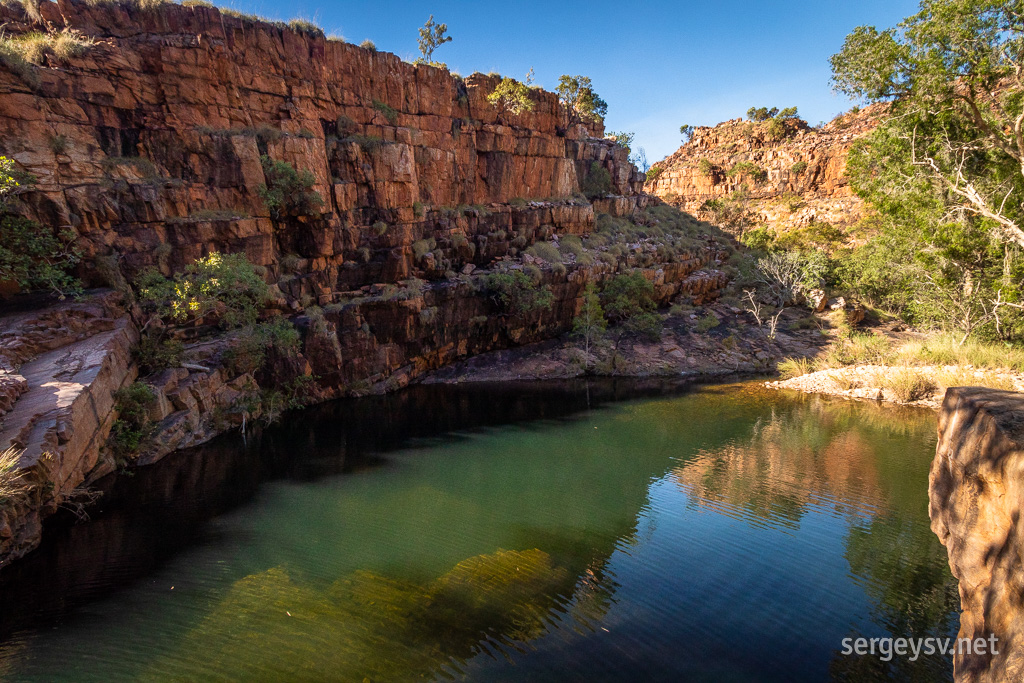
{"points": [[497, 533]]}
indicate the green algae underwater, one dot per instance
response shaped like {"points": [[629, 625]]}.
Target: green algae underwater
{"points": [[582, 531]]}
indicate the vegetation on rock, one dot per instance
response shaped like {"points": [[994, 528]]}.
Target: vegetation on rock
{"points": [[576, 93], [31, 256], [513, 96], [224, 285], [288, 192], [432, 36], [132, 426], [517, 292]]}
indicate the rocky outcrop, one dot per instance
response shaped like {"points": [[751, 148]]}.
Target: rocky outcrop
{"points": [[69, 360], [149, 146], [154, 146], [976, 490], [793, 181]]}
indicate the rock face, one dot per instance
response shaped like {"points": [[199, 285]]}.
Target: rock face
{"points": [[803, 180], [68, 361], [153, 146], [976, 494], [149, 146]]}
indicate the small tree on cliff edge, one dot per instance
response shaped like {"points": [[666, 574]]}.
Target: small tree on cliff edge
{"points": [[577, 95], [432, 36], [513, 96], [589, 325]]}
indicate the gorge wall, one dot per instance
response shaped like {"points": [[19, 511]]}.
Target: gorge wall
{"points": [[150, 145], [976, 490], [793, 181]]}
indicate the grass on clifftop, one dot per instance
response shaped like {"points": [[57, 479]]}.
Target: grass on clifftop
{"points": [[21, 53]]}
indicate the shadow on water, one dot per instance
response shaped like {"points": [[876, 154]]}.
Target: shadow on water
{"points": [[535, 531], [148, 516]]}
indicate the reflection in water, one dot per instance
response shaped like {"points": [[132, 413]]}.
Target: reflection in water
{"points": [[542, 532]]}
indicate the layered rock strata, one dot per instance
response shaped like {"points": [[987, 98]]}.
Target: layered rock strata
{"points": [[789, 182], [976, 490], [154, 145]]}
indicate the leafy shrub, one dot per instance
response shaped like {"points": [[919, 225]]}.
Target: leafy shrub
{"points": [[751, 169], [155, 355], [598, 181], [225, 283], [517, 292], [799, 167], [705, 168], [512, 95], [248, 351], [287, 191], [708, 322], [37, 258], [417, 209], [546, 251], [654, 172], [132, 426], [627, 295]]}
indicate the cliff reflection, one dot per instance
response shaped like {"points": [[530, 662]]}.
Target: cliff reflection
{"points": [[848, 459]]}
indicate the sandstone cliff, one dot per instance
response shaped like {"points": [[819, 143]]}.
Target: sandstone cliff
{"points": [[151, 146], [976, 494], [790, 182]]}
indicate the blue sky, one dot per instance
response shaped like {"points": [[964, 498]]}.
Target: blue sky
{"points": [[657, 64]]}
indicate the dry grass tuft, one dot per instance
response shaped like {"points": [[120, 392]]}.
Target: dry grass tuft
{"points": [[794, 367], [907, 385], [966, 377], [14, 488], [20, 53], [944, 350]]}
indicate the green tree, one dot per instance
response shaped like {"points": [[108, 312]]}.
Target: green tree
{"points": [[944, 170], [762, 113], [432, 36], [953, 73], [589, 324], [31, 256], [622, 139], [288, 191], [36, 258], [629, 304], [576, 93], [686, 130], [513, 96], [517, 292]]}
